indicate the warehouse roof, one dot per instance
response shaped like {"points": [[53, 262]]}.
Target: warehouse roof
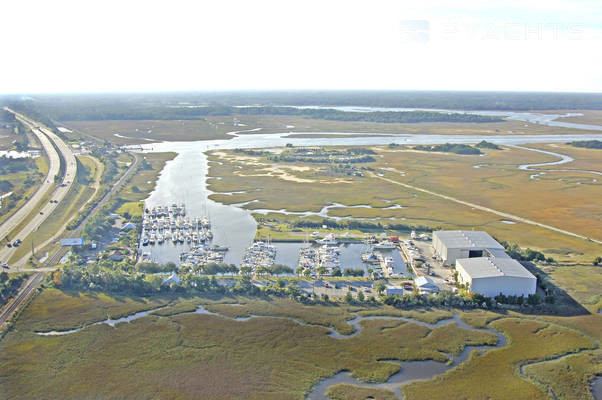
{"points": [[467, 239], [487, 267]]}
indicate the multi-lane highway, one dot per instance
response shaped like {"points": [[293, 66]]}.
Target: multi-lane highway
{"points": [[47, 138]]}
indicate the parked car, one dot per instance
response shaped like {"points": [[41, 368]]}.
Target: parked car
{"points": [[9, 245], [5, 265], [16, 243]]}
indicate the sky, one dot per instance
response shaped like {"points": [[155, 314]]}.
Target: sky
{"points": [[130, 45]]}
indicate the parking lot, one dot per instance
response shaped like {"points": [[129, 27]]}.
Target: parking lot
{"points": [[430, 265]]}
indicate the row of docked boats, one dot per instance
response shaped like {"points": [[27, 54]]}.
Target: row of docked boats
{"points": [[200, 255], [162, 224], [259, 255], [322, 260]]}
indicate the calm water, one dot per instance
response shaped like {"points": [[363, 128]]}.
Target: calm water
{"points": [[184, 180]]}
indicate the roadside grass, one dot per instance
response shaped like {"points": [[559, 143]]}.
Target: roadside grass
{"points": [[568, 377], [344, 391], [36, 209], [496, 373], [191, 355], [42, 164]]}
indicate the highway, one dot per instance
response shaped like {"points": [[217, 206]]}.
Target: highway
{"points": [[47, 137], [54, 258]]}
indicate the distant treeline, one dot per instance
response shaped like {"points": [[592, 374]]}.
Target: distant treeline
{"points": [[116, 112], [588, 144], [56, 104], [450, 148], [360, 225]]}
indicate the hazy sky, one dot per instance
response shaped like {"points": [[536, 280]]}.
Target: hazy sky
{"points": [[89, 45]]}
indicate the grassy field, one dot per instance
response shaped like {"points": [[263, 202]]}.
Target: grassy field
{"points": [[217, 127], [568, 377], [345, 391], [173, 353], [136, 132], [582, 282], [528, 341], [500, 185], [143, 182], [191, 355]]}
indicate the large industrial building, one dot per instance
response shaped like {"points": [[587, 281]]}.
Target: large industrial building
{"points": [[491, 276], [482, 264], [452, 245]]}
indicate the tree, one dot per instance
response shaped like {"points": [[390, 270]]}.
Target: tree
{"points": [[321, 271], [597, 261], [325, 298], [380, 288], [348, 297], [360, 297]]}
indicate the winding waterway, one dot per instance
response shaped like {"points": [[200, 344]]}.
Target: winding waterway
{"points": [[410, 370]]}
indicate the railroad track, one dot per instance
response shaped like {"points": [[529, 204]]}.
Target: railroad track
{"points": [[30, 285]]}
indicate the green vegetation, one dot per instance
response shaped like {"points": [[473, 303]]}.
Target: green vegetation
{"points": [[9, 285], [211, 355], [588, 144], [322, 155], [450, 148], [495, 374], [344, 391], [483, 144], [21, 177], [568, 377]]}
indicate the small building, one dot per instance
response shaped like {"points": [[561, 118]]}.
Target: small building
{"points": [[173, 278], [453, 245], [491, 276], [426, 285], [392, 290], [116, 255], [128, 226]]}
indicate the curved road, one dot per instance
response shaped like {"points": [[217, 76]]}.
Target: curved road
{"points": [[46, 136]]}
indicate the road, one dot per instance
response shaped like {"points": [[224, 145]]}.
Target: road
{"points": [[26, 290], [46, 186], [46, 137], [489, 210], [54, 258]]}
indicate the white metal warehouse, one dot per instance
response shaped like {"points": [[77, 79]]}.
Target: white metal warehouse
{"points": [[491, 276], [453, 245]]}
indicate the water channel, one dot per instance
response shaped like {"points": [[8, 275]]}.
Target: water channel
{"points": [[410, 370]]}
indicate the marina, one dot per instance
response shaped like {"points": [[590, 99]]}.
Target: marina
{"points": [[183, 180]]}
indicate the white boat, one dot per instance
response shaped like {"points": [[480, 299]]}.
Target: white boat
{"points": [[385, 245], [329, 240]]}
